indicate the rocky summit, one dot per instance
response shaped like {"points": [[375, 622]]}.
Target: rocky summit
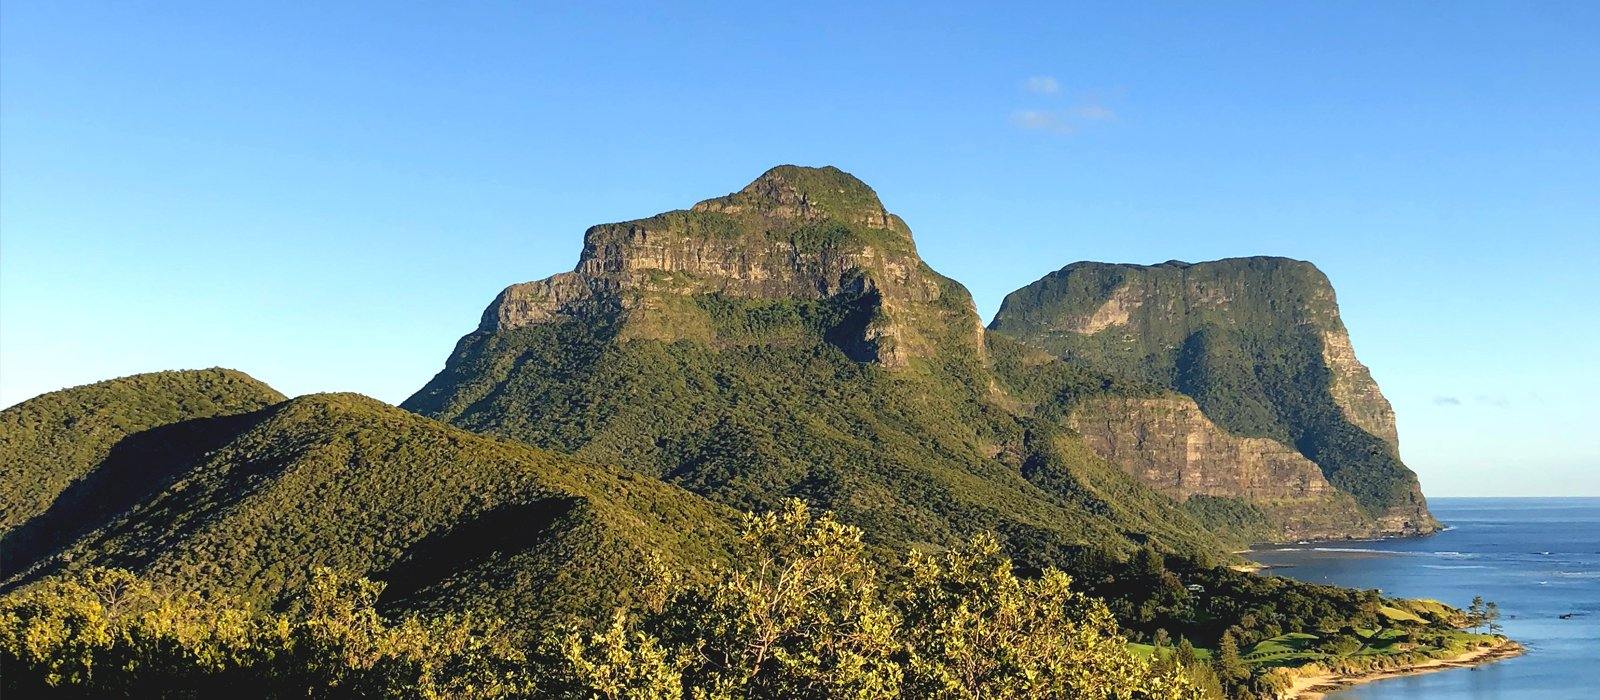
{"points": [[1276, 412], [800, 233]]}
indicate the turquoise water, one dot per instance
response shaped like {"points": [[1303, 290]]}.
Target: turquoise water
{"points": [[1539, 558]]}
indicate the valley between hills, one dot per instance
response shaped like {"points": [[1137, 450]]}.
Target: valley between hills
{"points": [[752, 448]]}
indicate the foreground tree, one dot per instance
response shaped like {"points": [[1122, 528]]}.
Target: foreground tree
{"points": [[105, 632], [804, 613]]}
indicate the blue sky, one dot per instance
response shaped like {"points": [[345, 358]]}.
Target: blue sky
{"points": [[326, 195]]}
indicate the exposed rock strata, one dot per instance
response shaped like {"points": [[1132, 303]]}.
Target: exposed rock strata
{"points": [[1171, 446], [793, 233], [1354, 390]]}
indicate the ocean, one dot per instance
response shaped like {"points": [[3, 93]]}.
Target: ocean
{"points": [[1538, 558]]}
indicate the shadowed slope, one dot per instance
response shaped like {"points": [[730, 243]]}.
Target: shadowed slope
{"points": [[52, 441], [457, 520]]}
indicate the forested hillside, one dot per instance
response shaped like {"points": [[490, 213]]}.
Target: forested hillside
{"points": [[451, 521]]}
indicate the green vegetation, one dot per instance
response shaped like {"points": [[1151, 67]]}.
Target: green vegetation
{"points": [[1235, 519], [1156, 595], [802, 612], [753, 391], [830, 189], [806, 614], [774, 392], [913, 458], [50, 442], [1354, 650], [1483, 614], [813, 209], [489, 547], [1244, 665], [108, 633], [451, 520], [1244, 339]]}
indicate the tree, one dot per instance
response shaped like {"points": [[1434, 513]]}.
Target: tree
{"points": [[1491, 615], [1201, 676], [1149, 563], [1340, 644], [106, 632], [1186, 654], [1476, 613], [619, 663], [804, 613], [1229, 665], [799, 616], [976, 630], [801, 612]]}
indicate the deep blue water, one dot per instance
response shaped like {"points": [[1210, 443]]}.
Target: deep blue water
{"points": [[1539, 558]]}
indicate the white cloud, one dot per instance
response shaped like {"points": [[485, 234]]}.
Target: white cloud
{"points": [[1062, 121], [1058, 112], [1042, 85], [1037, 119], [1093, 113]]}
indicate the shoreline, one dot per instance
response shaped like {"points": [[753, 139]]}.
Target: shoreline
{"points": [[1313, 541], [1249, 565], [1315, 686]]}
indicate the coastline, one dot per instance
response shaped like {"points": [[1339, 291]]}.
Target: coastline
{"points": [[1251, 566], [1314, 686]]}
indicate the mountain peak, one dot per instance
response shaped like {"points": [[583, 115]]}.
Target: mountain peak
{"points": [[796, 234], [808, 193]]}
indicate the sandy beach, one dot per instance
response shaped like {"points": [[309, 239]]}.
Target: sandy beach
{"points": [[1315, 686]]}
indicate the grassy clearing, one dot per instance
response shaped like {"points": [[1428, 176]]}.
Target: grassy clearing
{"points": [[1394, 614], [1366, 649]]}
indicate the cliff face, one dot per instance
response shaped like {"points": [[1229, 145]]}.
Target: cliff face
{"points": [[1259, 345], [1353, 389], [1170, 445], [796, 233]]}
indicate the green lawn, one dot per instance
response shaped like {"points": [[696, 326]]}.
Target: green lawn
{"points": [[1364, 646]]}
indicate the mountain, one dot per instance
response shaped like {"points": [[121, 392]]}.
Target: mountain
{"points": [[787, 340], [250, 503], [1279, 424], [50, 443]]}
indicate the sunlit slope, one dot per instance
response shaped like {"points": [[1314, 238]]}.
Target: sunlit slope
{"points": [[447, 518]]}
